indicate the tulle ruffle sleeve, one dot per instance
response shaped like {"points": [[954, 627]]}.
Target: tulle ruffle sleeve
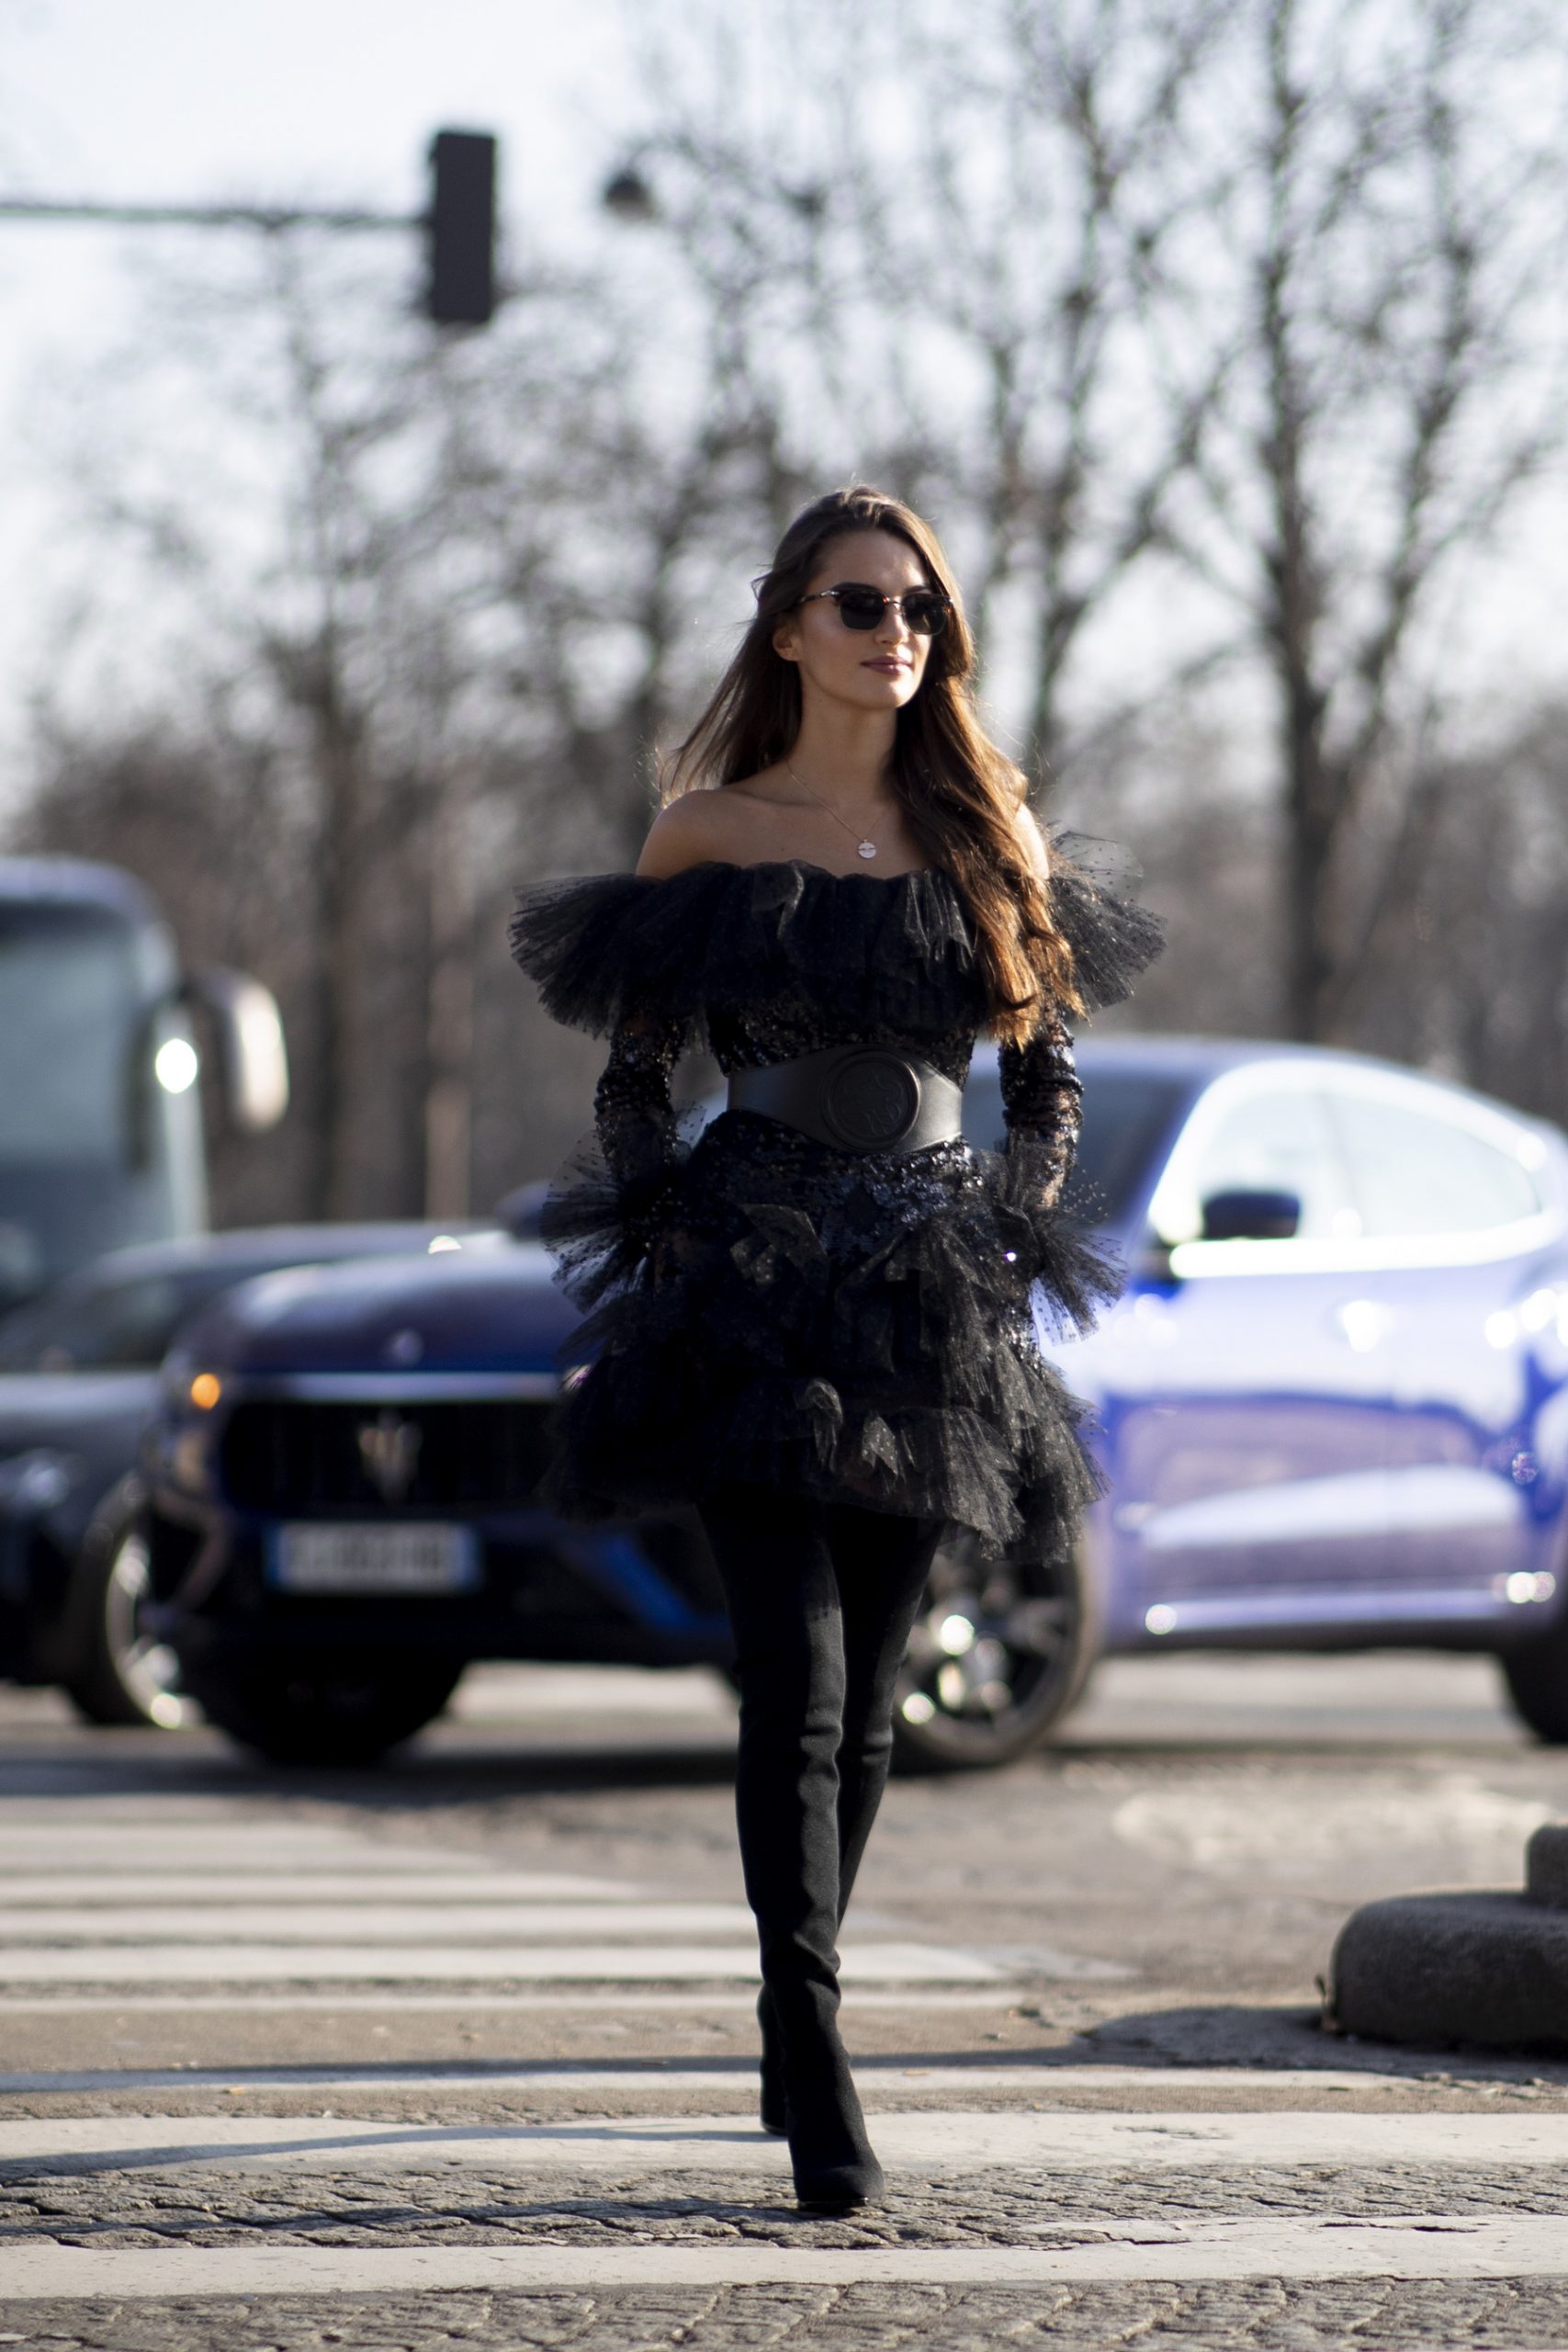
{"points": [[600, 946], [607, 958], [1114, 939], [718, 941]]}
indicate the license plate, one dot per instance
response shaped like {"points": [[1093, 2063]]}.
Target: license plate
{"points": [[380, 1559]]}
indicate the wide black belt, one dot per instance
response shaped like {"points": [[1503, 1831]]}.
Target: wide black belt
{"points": [[857, 1098]]}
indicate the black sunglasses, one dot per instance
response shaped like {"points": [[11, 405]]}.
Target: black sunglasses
{"points": [[925, 609]]}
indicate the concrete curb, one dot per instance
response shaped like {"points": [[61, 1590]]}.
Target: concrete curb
{"points": [[1489, 1970]]}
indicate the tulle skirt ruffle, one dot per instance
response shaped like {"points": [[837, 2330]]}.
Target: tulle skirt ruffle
{"points": [[859, 1330]]}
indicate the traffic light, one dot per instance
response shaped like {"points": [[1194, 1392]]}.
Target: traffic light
{"points": [[460, 229]]}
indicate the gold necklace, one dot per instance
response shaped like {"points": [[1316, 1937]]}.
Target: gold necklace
{"points": [[866, 848]]}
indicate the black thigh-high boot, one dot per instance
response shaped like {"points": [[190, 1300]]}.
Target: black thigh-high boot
{"points": [[781, 1588], [882, 1562]]}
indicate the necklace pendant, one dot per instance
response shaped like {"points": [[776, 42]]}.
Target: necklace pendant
{"points": [[868, 848]]}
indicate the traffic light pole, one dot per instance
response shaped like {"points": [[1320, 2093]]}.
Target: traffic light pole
{"points": [[205, 216], [458, 226]]}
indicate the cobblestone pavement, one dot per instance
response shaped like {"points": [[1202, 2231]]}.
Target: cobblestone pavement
{"points": [[987, 2208], [1252, 2315], [217, 1984]]}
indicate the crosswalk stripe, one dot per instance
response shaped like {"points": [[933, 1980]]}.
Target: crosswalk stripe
{"points": [[251, 1999], [873, 2074], [127, 1845], [98, 1891], [375, 1913], [368, 1922], [923, 2141], [84, 1964], [1321, 2247]]}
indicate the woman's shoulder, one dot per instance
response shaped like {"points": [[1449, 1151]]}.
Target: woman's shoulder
{"points": [[726, 825], [686, 833]]}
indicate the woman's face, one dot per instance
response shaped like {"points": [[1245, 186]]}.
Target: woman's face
{"points": [[878, 669]]}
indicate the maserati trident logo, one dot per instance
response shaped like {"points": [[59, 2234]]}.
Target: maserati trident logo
{"points": [[388, 1455]]}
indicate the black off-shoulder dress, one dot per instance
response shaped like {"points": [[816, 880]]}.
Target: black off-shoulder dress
{"points": [[763, 1306]]}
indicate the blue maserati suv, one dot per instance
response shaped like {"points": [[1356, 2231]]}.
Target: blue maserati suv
{"points": [[1332, 1407]]}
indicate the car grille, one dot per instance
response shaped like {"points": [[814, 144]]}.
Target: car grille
{"points": [[282, 1456]]}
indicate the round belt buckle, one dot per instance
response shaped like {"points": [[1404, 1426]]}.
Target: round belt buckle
{"points": [[870, 1101]]}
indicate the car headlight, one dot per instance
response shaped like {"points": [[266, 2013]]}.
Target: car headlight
{"points": [[38, 1479]]}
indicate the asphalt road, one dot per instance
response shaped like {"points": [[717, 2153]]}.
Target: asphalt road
{"points": [[460, 2051]]}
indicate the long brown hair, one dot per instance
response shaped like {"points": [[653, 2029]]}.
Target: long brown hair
{"points": [[960, 795]]}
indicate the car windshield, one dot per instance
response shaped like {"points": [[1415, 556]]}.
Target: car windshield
{"points": [[123, 1322], [1126, 1115]]}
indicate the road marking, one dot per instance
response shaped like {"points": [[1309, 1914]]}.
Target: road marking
{"points": [[369, 1922], [1426, 2246], [517, 1696], [390, 1920], [125, 1844], [132, 2001], [917, 2141], [311, 1918], [1478, 1831], [99, 1891], [473, 1964], [873, 2073]]}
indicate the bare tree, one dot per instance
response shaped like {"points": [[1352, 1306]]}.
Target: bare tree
{"points": [[970, 291], [1469, 972], [1395, 197], [453, 593]]}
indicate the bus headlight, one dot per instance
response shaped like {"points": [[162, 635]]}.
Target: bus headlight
{"points": [[175, 1066]]}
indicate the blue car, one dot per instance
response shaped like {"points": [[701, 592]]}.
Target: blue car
{"points": [[78, 1386], [1333, 1404]]}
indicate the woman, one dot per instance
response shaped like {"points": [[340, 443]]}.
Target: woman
{"points": [[816, 1322]]}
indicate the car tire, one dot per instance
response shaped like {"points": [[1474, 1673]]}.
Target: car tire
{"points": [[324, 1710], [120, 1674], [1001, 1652], [1536, 1674]]}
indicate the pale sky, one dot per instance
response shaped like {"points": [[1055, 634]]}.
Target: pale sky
{"points": [[335, 101], [332, 101]]}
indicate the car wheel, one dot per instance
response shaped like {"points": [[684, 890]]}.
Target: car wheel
{"points": [[1536, 1673], [121, 1672], [323, 1710], [1000, 1651]]}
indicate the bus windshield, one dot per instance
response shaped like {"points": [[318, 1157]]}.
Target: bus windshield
{"points": [[70, 1004], [89, 1156]]}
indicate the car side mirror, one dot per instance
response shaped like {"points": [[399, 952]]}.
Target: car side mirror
{"points": [[1251, 1216], [1151, 1260]]}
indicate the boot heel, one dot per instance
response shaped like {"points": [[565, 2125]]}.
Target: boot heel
{"points": [[831, 2157]]}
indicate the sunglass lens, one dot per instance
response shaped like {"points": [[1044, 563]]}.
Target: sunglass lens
{"points": [[927, 615], [860, 607]]}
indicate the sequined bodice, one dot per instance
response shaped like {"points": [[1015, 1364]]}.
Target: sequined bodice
{"points": [[805, 958], [778, 1033]]}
